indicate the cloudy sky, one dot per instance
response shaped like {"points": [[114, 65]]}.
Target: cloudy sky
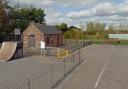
{"points": [[78, 12]]}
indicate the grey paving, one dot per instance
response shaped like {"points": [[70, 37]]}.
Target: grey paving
{"points": [[115, 75], [42, 72], [106, 67], [16, 73]]}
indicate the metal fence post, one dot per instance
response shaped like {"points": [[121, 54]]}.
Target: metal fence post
{"points": [[79, 57], [81, 52], [73, 57], [64, 67]]}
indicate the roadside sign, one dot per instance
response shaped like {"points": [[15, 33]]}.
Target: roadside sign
{"points": [[42, 48], [42, 45]]}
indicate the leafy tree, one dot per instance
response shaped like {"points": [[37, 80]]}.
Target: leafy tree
{"points": [[69, 34], [101, 35], [73, 27], [3, 14], [3, 18], [100, 26], [96, 30], [93, 28], [20, 18], [90, 28], [58, 27], [64, 27], [111, 29], [73, 34]]}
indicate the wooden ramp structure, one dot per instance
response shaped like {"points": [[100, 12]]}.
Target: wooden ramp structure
{"points": [[7, 50]]}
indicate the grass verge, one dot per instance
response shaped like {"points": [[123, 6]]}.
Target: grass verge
{"points": [[114, 42]]}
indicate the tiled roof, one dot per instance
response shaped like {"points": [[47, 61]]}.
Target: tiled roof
{"points": [[47, 29]]}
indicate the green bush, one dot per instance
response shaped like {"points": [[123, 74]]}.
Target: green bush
{"points": [[74, 34]]}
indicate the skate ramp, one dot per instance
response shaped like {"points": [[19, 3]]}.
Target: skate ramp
{"points": [[7, 50]]}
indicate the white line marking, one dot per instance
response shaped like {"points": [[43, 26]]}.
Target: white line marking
{"points": [[97, 82]]}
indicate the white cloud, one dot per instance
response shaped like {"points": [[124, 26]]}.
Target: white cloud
{"points": [[117, 18], [47, 2], [75, 2], [102, 9], [118, 12], [36, 3], [80, 14], [58, 20], [81, 10], [105, 9]]}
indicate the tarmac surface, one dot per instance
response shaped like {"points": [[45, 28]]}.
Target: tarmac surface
{"points": [[16, 73], [105, 67]]}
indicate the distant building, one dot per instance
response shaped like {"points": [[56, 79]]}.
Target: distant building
{"points": [[35, 33]]}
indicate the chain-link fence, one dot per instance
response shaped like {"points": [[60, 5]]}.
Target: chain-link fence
{"points": [[74, 45]]}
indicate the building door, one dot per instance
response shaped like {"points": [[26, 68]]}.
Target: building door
{"points": [[31, 40], [48, 41]]}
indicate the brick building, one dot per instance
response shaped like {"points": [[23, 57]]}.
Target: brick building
{"points": [[35, 33]]}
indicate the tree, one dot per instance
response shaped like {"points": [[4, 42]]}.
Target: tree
{"points": [[73, 27], [73, 34], [3, 18], [20, 18], [101, 35], [111, 29], [90, 28], [62, 27], [58, 27], [3, 14], [96, 30], [100, 26]]}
